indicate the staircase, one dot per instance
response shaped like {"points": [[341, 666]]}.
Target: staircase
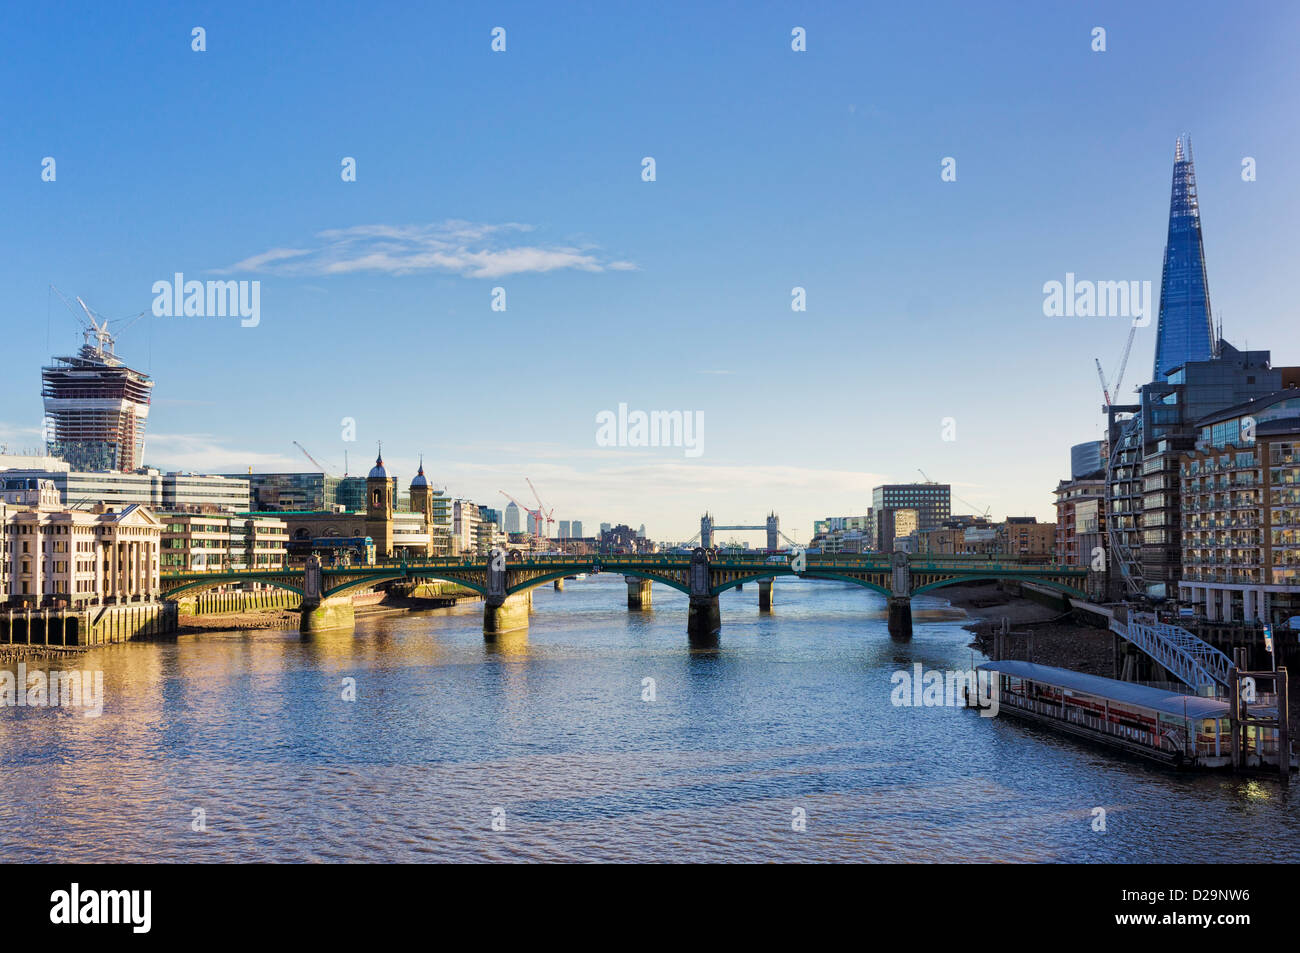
{"points": [[1191, 660]]}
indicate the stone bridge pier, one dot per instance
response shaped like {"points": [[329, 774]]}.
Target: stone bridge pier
{"points": [[900, 600], [503, 612], [318, 612], [638, 593], [765, 595], [704, 619]]}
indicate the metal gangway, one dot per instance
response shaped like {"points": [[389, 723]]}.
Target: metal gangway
{"points": [[1191, 660]]}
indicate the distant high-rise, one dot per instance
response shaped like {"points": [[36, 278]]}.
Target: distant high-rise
{"points": [[576, 528], [564, 529], [95, 406], [514, 523], [1186, 330]]}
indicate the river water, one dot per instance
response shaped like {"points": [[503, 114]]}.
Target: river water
{"points": [[781, 744]]}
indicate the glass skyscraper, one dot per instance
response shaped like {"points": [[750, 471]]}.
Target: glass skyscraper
{"points": [[1185, 332]]}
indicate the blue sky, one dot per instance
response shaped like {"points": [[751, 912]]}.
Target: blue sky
{"points": [[775, 169]]}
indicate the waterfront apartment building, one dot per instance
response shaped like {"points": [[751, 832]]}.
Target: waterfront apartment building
{"points": [[57, 556], [1241, 512], [1081, 530], [194, 542], [1143, 483]]}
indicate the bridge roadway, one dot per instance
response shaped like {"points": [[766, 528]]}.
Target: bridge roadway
{"points": [[505, 581]]}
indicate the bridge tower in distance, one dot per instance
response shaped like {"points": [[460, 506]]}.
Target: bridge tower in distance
{"points": [[379, 507], [773, 531], [706, 531]]}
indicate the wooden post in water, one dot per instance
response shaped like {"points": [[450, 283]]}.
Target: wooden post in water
{"points": [[1283, 726], [1234, 710]]}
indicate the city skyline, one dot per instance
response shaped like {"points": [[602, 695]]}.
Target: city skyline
{"points": [[922, 280]]}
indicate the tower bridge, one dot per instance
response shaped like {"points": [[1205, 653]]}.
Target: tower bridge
{"points": [[771, 525], [506, 580]]}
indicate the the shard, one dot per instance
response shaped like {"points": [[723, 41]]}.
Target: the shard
{"points": [[1185, 332]]}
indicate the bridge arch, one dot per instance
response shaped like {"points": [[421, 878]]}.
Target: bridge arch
{"points": [[1002, 577], [784, 570], [203, 585], [653, 577], [367, 582], [611, 570]]}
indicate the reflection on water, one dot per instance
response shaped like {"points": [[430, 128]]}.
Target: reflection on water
{"points": [[548, 728]]}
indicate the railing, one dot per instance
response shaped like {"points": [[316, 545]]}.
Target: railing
{"points": [[1189, 659], [870, 561]]}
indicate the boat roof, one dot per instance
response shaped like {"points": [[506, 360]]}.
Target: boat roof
{"points": [[1128, 693]]}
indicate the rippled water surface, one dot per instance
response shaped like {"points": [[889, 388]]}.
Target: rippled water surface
{"points": [[549, 732]]}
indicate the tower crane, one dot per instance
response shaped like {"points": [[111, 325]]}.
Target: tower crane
{"points": [[316, 463], [535, 516], [541, 507], [1119, 375], [1101, 376], [924, 474], [973, 508], [98, 338]]}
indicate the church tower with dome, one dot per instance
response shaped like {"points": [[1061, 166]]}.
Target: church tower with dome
{"points": [[379, 507]]}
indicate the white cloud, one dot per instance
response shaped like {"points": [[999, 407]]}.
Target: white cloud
{"points": [[203, 453], [470, 249]]}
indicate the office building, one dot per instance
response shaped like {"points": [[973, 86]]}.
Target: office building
{"points": [[919, 507], [201, 542], [1087, 459], [174, 491], [514, 522]]}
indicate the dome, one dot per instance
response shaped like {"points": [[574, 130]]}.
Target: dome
{"points": [[420, 479], [377, 472]]}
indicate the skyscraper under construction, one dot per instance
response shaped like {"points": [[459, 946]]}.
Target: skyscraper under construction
{"points": [[95, 406]]}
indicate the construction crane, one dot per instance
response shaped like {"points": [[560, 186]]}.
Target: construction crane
{"points": [[97, 336], [533, 515], [541, 507], [1101, 376], [1119, 375], [973, 508], [316, 463], [923, 473]]}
